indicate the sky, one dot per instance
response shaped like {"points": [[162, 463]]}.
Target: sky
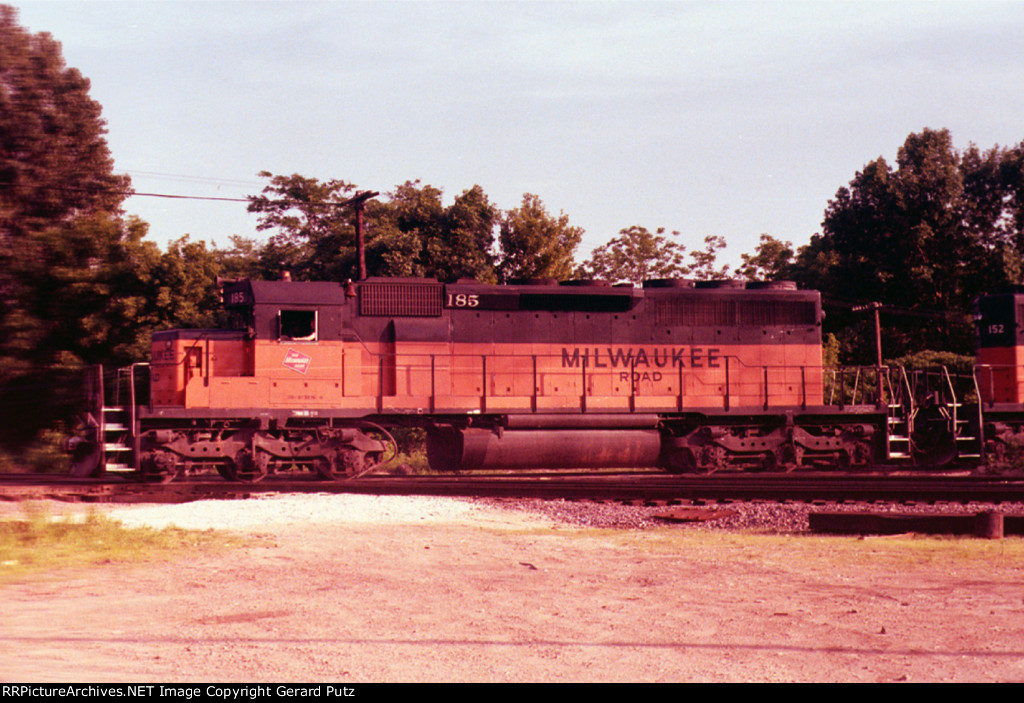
{"points": [[706, 118]]}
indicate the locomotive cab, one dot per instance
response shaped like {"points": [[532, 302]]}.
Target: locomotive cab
{"points": [[185, 363], [286, 353], [1000, 342]]}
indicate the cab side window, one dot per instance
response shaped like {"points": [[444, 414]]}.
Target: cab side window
{"points": [[297, 325]]}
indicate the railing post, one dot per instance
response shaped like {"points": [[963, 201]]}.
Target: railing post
{"points": [[483, 387], [726, 398], [680, 368], [380, 383], [583, 389], [632, 385], [536, 388]]}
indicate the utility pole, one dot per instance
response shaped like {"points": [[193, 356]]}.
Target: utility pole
{"points": [[358, 201], [875, 307]]}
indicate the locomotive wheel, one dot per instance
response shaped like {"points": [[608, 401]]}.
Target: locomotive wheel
{"points": [[712, 459], [160, 467], [346, 463], [245, 467], [681, 461]]}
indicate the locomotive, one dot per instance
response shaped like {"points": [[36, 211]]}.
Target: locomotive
{"points": [[682, 375]]}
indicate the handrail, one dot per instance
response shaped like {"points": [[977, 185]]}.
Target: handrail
{"points": [[733, 378], [981, 414], [953, 401], [912, 413]]}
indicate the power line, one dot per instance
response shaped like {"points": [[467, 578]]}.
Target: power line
{"points": [[172, 196], [195, 179]]}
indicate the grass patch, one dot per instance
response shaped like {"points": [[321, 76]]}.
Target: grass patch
{"points": [[413, 462], [38, 543]]}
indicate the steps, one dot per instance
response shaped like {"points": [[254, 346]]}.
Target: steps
{"points": [[116, 436]]}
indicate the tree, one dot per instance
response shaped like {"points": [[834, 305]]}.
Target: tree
{"points": [[924, 239], [241, 259], [81, 300], [636, 255], [409, 232], [400, 228], [65, 255], [535, 244], [54, 160], [414, 234], [315, 237], [705, 261], [465, 249], [771, 261], [182, 287]]}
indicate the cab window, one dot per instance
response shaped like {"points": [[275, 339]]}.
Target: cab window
{"points": [[297, 325]]}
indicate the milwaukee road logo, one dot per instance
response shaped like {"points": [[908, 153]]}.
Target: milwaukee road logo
{"points": [[639, 358], [296, 361]]}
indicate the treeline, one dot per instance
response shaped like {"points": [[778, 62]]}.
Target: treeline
{"points": [[80, 284], [924, 238]]}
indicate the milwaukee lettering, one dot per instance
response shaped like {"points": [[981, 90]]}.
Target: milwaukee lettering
{"points": [[634, 358]]}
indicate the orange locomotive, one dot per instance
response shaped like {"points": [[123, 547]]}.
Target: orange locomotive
{"points": [[689, 377]]}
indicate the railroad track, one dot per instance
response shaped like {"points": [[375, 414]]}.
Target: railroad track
{"points": [[633, 486]]}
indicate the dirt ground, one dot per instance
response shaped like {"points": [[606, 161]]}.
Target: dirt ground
{"points": [[501, 596]]}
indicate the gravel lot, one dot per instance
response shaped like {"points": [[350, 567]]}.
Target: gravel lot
{"points": [[361, 588]]}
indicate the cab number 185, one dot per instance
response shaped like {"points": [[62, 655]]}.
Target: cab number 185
{"points": [[463, 300]]}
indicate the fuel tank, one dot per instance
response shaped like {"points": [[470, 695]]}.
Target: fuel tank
{"points": [[455, 449]]}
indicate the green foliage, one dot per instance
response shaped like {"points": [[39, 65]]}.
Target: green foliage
{"points": [[705, 261], [54, 160], [636, 255], [924, 239], [66, 257], [79, 284], [91, 291], [830, 351], [464, 248], [183, 286], [928, 359], [410, 233], [771, 261], [535, 244], [46, 454], [414, 234], [313, 230], [412, 451], [37, 543]]}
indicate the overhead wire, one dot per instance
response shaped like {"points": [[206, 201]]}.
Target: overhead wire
{"points": [[133, 193]]}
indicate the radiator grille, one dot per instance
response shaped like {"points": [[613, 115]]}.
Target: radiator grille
{"points": [[731, 313], [400, 299]]}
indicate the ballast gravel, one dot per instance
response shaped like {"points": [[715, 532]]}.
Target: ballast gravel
{"points": [[770, 517], [298, 510]]}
